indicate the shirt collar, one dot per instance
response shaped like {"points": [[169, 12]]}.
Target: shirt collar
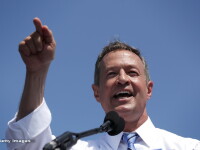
{"points": [[146, 132], [114, 141]]}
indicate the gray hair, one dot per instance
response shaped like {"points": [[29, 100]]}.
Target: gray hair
{"points": [[113, 46]]}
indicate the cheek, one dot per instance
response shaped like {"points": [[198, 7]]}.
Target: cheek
{"points": [[103, 91], [106, 85], [141, 92], [105, 103], [105, 94], [139, 85]]}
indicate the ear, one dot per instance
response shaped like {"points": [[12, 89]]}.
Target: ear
{"points": [[149, 89], [96, 92]]}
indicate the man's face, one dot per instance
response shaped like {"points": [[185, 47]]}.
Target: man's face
{"points": [[123, 87]]}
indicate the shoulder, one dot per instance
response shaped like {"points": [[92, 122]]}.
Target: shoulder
{"points": [[174, 140]]}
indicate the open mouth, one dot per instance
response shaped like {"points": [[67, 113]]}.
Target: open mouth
{"points": [[123, 94]]}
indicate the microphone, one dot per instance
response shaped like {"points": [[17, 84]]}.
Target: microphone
{"points": [[113, 125]]}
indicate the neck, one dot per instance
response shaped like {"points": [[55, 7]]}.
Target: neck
{"points": [[133, 125]]}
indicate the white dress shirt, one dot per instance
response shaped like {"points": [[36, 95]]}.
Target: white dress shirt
{"points": [[33, 132]]}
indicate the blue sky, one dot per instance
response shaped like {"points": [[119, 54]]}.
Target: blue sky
{"points": [[166, 32]]}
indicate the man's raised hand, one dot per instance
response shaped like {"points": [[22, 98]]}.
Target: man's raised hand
{"points": [[38, 49]]}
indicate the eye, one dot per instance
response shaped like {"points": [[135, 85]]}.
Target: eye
{"points": [[133, 73], [111, 74]]}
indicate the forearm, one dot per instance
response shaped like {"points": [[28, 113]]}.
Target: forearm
{"points": [[33, 92], [37, 51]]}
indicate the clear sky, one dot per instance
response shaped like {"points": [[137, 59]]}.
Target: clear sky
{"points": [[166, 32]]}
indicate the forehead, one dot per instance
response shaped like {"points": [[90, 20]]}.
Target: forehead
{"points": [[121, 58]]}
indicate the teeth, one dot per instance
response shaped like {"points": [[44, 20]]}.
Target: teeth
{"points": [[123, 92]]}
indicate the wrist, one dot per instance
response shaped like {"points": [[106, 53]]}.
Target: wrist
{"points": [[39, 70]]}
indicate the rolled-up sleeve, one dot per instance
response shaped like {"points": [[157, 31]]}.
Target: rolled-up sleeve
{"points": [[197, 147], [31, 132]]}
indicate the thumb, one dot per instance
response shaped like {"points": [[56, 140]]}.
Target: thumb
{"points": [[47, 34]]}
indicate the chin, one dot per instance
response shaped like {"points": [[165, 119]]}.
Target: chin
{"points": [[124, 109], [127, 113], [124, 113]]}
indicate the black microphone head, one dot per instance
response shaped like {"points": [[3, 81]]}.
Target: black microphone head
{"points": [[117, 123]]}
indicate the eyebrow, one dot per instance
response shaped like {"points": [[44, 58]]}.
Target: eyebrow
{"points": [[127, 66]]}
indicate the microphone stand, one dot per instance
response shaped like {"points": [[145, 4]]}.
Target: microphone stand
{"points": [[68, 139], [113, 124]]}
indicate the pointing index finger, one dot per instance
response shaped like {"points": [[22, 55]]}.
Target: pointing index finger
{"points": [[38, 25]]}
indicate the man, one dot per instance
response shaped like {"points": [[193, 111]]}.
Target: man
{"points": [[121, 84]]}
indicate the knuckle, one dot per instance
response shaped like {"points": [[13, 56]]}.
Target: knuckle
{"points": [[51, 32], [35, 35], [21, 44], [28, 38]]}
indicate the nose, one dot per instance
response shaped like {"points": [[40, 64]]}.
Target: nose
{"points": [[123, 78]]}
